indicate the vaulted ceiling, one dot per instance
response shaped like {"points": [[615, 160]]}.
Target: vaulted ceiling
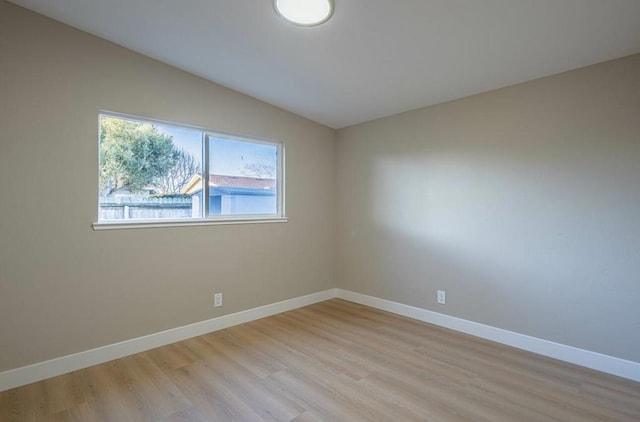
{"points": [[374, 58]]}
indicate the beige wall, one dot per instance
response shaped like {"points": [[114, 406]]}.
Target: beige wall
{"points": [[65, 288], [522, 203]]}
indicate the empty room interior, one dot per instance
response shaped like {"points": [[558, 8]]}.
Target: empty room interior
{"points": [[320, 210]]}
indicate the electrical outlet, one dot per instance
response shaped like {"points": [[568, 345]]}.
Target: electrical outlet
{"points": [[217, 300], [442, 297]]}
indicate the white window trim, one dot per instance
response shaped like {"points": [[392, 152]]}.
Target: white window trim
{"points": [[148, 224], [279, 217]]}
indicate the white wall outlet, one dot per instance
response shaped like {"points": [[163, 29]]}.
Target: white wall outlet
{"points": [[442, 297], [217, 300]]}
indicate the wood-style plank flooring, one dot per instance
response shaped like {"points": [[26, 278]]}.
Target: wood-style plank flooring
{"points": [[330, 361]]}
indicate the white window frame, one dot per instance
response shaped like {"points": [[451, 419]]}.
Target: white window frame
{"points": [[205, 220]]}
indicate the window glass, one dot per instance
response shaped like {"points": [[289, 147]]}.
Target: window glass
{"points": [[242, 177], [153, 171]]}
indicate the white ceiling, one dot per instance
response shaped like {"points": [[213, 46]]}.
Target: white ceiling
{"points": [[374, 58]]}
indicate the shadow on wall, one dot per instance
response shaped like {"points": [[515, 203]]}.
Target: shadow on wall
{"points": [[519, 243]]}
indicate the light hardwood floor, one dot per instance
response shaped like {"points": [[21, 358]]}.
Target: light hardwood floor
{"points": [[334, 360]]}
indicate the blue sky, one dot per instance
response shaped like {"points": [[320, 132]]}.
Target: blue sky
{"points": [[228, 156]]}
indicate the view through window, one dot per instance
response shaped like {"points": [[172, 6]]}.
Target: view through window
{"points": [[153, 171]]}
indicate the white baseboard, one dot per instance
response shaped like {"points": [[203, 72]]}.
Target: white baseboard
{"points": [[599, 362], [51, 368]]}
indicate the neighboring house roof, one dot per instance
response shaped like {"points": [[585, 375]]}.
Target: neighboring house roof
{"points": [[219, 180]]}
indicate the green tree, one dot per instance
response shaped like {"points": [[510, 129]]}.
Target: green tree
{"points": [[133, 154]]}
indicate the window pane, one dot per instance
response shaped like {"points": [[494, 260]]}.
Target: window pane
{"points": [[242, 177], [146, 170]]}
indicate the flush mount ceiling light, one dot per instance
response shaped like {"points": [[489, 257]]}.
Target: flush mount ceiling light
{"points": [[304, 12]]}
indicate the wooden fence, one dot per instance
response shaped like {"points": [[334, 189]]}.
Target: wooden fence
{"points": [[136, 207]]}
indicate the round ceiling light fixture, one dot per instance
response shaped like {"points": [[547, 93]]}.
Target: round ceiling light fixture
{"points": [[304, 12]]}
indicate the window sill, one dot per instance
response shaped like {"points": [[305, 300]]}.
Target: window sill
{"points": [[145, 224]]}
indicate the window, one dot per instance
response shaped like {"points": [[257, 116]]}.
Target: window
{"points": [[152, 172]]}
